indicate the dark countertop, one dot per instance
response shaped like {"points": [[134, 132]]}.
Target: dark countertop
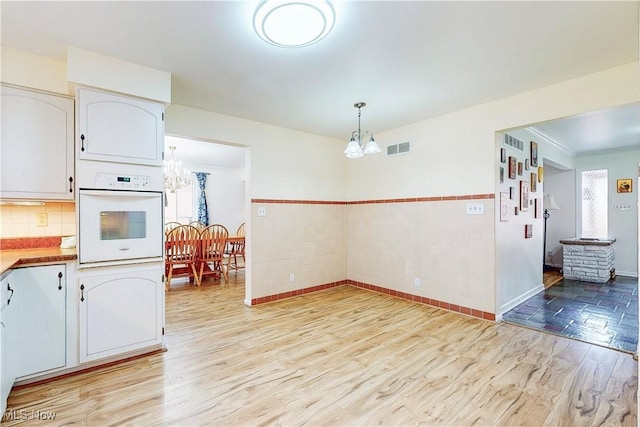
{"points": [[588, 241]]}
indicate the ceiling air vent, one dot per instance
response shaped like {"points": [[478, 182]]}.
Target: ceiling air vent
{"points": [[402, 148]]}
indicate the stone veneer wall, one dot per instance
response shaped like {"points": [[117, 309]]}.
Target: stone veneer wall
{"points": [[588, 263]]}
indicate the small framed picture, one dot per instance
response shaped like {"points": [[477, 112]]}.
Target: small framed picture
{"points": [[536, 208], [512, 192], [528, 231], [534, 181], [524, 195], [526, 164], [501, 175], [519, 168], [512, 167], [540, 172], [504, 206], [516, 211], [503, 155], [624, 185], [534, 154]]}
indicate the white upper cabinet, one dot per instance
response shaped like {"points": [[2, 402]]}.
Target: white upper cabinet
{"points": [[117, 128], [36, 145]]}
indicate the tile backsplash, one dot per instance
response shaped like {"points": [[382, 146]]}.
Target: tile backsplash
{"points": [[23, 221]]}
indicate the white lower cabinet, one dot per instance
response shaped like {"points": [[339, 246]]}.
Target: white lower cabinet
{"points": [[37, 330], [6, 375], [121, 310]]}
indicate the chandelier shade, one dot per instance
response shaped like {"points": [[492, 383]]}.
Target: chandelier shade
{"points": [[175, 177], [355, 146]]}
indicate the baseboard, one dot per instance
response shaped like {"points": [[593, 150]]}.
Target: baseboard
{"points": [[522, 298]]}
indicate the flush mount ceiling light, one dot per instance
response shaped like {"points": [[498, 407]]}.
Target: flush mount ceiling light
{"points": [[290, 23], [354, 148]]}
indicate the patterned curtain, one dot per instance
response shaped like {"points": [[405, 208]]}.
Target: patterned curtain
{"points": [[203, 213]]}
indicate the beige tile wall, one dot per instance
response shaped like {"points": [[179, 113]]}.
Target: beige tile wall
{"points": [[452, 253], [306, 240], [382, 244], [21, 221]]}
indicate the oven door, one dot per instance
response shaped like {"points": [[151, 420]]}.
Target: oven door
{"points": [[119, 225]]}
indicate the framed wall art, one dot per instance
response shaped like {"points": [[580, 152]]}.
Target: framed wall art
{"points": [[528, 231], [540, 172], [534, 181], [512, 167], [504, 206], [501, 175], [503, 155], [526, 164], [512, 192], [536, 208], [519, 168], [624, 185], [534, 154], [524, 196]]}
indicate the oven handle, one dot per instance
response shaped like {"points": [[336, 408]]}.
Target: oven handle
{"points": [[120, 193]]}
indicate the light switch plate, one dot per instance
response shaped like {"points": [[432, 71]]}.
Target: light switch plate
{"points": [[475, 208]]}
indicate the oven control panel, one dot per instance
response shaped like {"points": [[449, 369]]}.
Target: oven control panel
{"points": [[111, 181]]}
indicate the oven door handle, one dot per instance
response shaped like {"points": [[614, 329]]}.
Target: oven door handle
{"points": [[120, 193]]}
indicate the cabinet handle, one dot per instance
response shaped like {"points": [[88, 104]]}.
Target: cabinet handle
{"points": [[81, 292], [82, 145], [60, 281], [70, 184], [10, 296]]}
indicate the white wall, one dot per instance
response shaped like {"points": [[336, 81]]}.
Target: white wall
{"points": [[561, 184], [623, 224], [225, 194]]}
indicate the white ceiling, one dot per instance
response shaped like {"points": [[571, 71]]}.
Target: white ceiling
{"points": [[407, 60]]}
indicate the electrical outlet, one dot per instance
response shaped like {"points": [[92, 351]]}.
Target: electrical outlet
{"points": [[262, 211], [292, 278], [416, 282], [42, 219]]}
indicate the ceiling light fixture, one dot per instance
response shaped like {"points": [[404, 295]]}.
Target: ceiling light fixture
{"points": [[291, 23], [175, 177], [354, 147]]}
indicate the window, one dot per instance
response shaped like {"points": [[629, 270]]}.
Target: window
{"points": [[594, 203], [179, 205]]}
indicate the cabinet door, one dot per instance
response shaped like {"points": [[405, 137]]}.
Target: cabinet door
{"points": [[117, 128], [120, 312], [36, 145], [6, 375], [37, 338]]}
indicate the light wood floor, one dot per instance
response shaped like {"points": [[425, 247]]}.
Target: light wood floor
{"points": [[343, 356]]}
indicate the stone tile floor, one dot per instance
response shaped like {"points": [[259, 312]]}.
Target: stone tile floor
{"points": [[604, 314]]}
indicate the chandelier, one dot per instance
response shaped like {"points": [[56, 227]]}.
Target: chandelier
{"points": [[354, 148], [174, 176]]}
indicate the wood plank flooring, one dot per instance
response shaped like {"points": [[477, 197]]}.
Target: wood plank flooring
{"points": [[342, 356]]}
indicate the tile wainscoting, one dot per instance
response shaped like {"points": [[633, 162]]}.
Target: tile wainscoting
{"points": [[388, 242]]}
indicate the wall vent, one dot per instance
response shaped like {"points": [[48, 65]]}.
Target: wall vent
{"points": [[402, 148]]}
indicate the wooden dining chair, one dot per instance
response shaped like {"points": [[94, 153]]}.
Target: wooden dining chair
{"points": [[213, 240], [170, 226], [236, 249], [181, 250], [198, 224]]}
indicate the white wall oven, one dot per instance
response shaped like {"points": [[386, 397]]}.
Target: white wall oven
{"points": [[120, 221]]}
